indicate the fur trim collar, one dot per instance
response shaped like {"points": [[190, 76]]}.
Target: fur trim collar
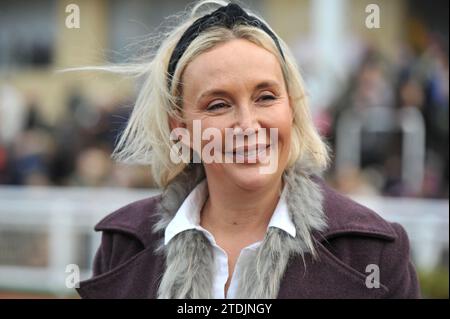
{"points": [[189, 255]]}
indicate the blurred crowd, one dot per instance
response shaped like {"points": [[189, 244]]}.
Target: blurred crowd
{"points": [[414, 87], [76, 151]]}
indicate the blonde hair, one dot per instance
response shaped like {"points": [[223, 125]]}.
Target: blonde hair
{"points": [[145, 139]]}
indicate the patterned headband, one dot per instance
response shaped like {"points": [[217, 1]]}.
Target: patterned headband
{"points": [[226, 16]]}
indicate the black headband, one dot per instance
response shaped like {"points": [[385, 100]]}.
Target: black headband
{"points": [[226, 16]]}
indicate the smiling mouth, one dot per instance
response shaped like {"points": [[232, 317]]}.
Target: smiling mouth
{"points": [[249, 152]]}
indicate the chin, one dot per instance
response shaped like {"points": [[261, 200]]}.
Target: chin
{"points": [[248, 176]]}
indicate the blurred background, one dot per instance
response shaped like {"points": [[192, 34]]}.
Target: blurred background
{"points": [[379, 96]]}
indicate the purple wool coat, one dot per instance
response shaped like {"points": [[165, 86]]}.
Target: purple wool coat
{"points": [[127, 266]]}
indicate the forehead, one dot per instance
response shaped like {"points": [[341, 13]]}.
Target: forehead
{"points": [[235, 63]]}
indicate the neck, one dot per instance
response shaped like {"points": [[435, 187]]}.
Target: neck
{"points": [[238, 211]]}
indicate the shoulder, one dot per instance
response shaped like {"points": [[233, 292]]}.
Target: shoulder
{"points": [[134, 220], [346, 216], [361, 239], [125, 233]]}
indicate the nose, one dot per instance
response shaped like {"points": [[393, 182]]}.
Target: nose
{"points": [[246, 119]]}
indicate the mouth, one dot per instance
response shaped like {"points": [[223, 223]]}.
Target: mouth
{"points": [[249, 153]]}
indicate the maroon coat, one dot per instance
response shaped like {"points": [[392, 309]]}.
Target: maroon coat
{"points": [[126, 265]]}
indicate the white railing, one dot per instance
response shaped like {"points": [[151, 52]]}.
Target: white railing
{"points": [[58, 218], [409, 121], [425, 221], [42, 230]]}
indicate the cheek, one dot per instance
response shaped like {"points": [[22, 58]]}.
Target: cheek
{"points": [[281, 119], [210, 132], [286, 127]]}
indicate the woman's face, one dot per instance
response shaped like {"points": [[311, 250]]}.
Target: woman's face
{"points": [[239, 85]]}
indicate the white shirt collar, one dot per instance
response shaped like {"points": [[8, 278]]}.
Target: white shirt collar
{"points": [[188, 215]]}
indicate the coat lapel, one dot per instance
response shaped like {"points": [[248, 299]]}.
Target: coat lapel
{"points": [[138, 278], [325, 278]]}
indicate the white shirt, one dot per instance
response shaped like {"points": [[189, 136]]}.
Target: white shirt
{"points": [[188, 217]]}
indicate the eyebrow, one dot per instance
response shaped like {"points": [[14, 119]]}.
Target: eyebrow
{"points": [[221, 92]]}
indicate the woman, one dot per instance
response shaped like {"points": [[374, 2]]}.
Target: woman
{"points": [[227, 228]]}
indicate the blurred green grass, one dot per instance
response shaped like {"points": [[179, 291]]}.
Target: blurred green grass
{"points": [[434, 283]]}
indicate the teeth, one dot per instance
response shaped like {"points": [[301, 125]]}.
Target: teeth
{"points": [[251, 153], [247, 153]]}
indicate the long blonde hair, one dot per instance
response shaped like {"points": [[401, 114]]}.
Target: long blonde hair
{"points": [[145, 139]]}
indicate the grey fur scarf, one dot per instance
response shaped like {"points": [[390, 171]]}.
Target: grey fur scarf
{"points": [[189, 255]]}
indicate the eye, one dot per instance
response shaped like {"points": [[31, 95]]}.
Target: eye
{"points": [[217, 106], [267, 98]]}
